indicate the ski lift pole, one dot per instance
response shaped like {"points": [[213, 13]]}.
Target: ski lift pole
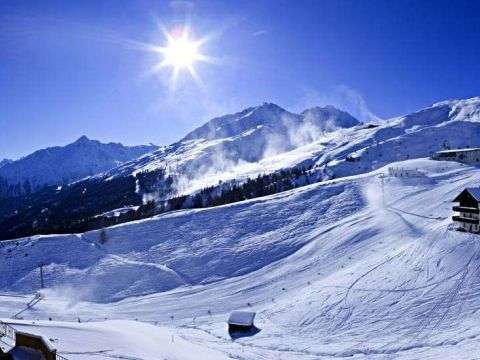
{"points": [[42, 284]]}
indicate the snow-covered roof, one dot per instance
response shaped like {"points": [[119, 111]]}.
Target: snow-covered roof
{"points": [[475, 192], [457, 150], [243, 318]]}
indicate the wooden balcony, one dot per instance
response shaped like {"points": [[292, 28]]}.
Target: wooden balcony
{"points": [[464, 209], [466, 220]]}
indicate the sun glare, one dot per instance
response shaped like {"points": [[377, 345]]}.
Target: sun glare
{"points": [[181, 52]]}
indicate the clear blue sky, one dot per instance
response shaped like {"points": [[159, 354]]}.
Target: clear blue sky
{"points": [[69, 68]]}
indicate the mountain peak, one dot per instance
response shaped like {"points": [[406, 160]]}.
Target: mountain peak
{"points": [[82, 139], [329, 116], [237, 123], [270, 108], [269, 105], [326, 108]]}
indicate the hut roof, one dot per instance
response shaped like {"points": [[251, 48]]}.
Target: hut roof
{"points": [[474, 192], [457, 150], [242, 318]]}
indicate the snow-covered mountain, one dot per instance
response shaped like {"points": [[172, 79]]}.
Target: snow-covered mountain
{"points": [[275, 119], [59, 165], [234, 146]]}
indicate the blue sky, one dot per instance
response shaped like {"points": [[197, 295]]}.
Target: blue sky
{"points": [[72, 68]]}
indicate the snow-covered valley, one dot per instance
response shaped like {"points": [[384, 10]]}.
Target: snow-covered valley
{"points": [[332, 269]]}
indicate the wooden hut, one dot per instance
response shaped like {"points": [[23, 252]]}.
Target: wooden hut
{"points": [[467, 213], [241, 321]]}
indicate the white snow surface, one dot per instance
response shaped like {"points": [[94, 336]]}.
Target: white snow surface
{"points": [[331, 269]]}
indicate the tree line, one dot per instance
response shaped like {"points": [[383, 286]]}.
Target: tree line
{"points": [[83, 206]]}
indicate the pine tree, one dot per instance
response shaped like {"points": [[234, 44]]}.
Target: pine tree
{"points": [[103, 236]]}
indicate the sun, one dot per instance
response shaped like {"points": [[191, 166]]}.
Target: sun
{"points": [[180, 52]]}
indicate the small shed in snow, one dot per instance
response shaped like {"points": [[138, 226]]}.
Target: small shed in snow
{"points": [[467, 213], [241, 321]]}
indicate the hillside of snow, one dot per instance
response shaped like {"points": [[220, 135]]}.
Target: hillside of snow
{"points": [[333, 270], [62, 164]]}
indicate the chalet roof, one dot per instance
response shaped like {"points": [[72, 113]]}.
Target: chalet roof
{"points": [[474, 192], [457, 150], [242, 318]]}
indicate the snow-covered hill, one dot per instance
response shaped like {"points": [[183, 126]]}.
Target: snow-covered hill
{"points": [[331, 271], [59, 165]]}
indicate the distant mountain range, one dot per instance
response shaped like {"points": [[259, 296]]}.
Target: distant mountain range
{"points": [[61, 165], [260, 150]]}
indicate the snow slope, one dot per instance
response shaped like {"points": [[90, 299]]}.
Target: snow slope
{"points": [[106, 339], [331, 271], [58, 165]]}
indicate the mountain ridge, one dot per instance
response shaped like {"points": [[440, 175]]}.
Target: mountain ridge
{"points": [[58, 165]]}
